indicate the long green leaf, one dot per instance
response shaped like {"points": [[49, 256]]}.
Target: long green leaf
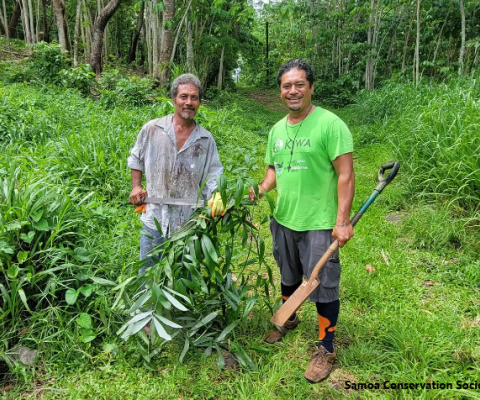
{"points": [[240, 351], [239, 192], [227, 330], [102, 281], [174, 301], [206, 320], [186, 346], [139, 317], [208, 248], [123, 284], [271, 202], [140, 301], [161, 330], [132, 329], [179, 295], [23, 297], [168, 322], [221, 360], [250, 303]]}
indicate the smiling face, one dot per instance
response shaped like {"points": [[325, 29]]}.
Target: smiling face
{"points": [[295, 90], [187, 101]]}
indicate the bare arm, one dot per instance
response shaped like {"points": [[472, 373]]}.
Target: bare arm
{"points": [[343, 165], [269, 183], [137, 190]]}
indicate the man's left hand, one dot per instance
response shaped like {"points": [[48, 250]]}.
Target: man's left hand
{"points": [[342, 233]]}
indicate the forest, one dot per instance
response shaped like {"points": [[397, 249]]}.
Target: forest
{"points": [[79, 78]]}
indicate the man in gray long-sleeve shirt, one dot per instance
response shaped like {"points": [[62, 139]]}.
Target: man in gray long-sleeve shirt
{"points": [[176, 155]]}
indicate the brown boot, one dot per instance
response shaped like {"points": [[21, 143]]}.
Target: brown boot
{"points": [[277, 334], [320, 366]]}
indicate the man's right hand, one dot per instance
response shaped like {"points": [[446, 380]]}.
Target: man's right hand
{"points": [[137, 195], [252, 193]]}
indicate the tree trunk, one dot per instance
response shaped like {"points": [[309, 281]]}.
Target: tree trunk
{"points": [[462, 45], [370, 62], [179, 30], [393, 43], [155, 32], [405, 45], [220, 70], [59, 11], [46, 30], [37, 24], [26, 25], [98, 28], [132, 54], [167, 42], [267, 55], [439, 41], [77, 33], [190, 56], [376, 49], [142, 48], [148, 37], [5, 24], [30, 19], [88, 32], [12, 26], [417, 46]]}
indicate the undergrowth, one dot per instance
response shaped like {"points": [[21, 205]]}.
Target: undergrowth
{"points": [[67, 235]]}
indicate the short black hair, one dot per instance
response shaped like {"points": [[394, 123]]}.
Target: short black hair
{"points": [[298, 63]]}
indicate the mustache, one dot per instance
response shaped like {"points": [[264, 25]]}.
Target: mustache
{"points": [[188, 108]]}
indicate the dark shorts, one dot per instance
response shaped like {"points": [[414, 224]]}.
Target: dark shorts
{"points": [[297, 253]]}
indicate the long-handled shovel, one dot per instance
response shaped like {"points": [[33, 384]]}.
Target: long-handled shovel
{"points": [[301, 294]]}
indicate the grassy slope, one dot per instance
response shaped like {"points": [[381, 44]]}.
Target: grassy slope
{"points": [[415, 320]]}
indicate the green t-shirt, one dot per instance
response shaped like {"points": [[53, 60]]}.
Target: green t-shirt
{"points": [[302, 155]]}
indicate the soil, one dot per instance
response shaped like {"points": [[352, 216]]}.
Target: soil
{"points": [[268, 98]]}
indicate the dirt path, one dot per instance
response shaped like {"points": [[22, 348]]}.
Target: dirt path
{"points": [[269, 98]]}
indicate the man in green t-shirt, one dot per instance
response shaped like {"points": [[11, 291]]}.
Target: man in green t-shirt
{"points": [[310, 163]]}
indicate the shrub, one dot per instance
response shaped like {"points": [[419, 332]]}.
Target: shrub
{"points": [[81, 78], [38, 225], [134, 91], [201, 286], [336, 94], [12, 72], [47, 61]]}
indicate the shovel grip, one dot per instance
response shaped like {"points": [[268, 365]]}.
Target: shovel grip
{"points": [[394, 166]]}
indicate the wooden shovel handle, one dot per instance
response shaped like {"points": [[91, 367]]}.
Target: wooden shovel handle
{"points": [[321, 263]]}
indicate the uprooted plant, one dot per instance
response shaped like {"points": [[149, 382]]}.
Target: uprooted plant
{"points": [[206, 280]]}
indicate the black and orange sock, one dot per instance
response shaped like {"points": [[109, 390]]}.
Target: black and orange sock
{"points": [[287, 291], [327, 321]]}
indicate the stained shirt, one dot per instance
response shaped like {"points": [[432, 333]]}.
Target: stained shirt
{"points": [[174, 174]]}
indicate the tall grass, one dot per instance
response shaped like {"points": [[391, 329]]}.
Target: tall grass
{"points": [[65, 221], [434, 132]]}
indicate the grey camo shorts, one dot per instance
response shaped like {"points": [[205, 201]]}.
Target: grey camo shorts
{"points": [[297, 253]]}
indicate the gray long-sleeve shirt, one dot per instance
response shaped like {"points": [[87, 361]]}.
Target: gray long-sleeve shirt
{"points": [[171, 173]]}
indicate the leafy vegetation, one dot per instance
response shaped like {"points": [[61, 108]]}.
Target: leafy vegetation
{"points": [[69, 244], [65, 220], [70, 249], [433, 132]]}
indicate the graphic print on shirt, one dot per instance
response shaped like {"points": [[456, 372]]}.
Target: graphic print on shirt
{"points": [[289, 155]]}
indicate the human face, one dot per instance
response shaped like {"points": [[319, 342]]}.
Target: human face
{"points": [[187, 101], [295, 90]]}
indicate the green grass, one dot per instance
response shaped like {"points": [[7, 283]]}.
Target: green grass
{"points": [[414, 320]]}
